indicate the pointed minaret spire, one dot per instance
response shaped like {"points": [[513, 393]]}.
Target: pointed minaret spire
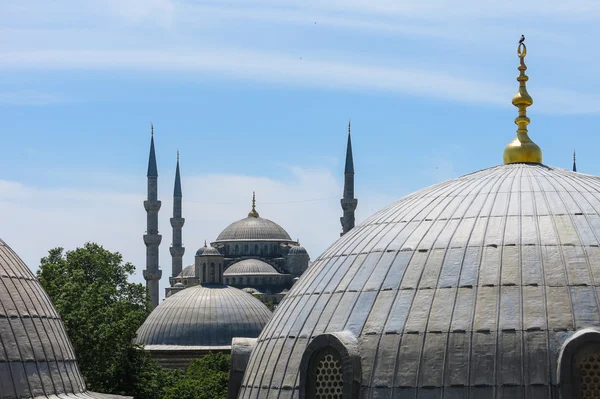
{"points": [[177, 221], [253, 213], [152, 169], [152, 239], [574, 162], [348, 201]]}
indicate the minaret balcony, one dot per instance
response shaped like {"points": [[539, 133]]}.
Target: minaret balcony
{"points": [[177, 223], [349, 204], [152, 239], [150, 275], [152, 205], [177, 252]]}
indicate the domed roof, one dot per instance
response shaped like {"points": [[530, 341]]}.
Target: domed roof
{"points": [[249, 267], [297, 250], [471, 285], [210, 251], [254, 229], [203, 316], [36, 356], [188, 271]]}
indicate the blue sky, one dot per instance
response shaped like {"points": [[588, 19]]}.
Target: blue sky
{"points": [[257, 96]]}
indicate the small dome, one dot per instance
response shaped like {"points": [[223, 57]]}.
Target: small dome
{"points": [[251, 267], [200, 250], [210, 251], [250, 290], [37, 359], [204, 316], [189, 271], [297, 250], [179, 285], [254, 229]]}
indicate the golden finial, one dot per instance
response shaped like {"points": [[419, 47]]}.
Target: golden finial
{"points": [[253, 213], [522, 149]]}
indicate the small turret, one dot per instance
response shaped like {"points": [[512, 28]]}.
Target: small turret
{"points": [[209, 266]]}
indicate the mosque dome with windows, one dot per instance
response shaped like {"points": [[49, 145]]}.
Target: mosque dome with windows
{"points": [[485, 286]]}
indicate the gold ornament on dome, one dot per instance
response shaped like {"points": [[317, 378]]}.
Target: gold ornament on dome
{"points": [[522, 148], [253, 213]]}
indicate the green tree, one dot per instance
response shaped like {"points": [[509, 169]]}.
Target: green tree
{"points": [[205, 378], [101, 311]]}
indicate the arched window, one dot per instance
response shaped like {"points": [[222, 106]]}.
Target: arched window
{"points": [[330, 367], [212, 272], [237, 249], [579, 365], [245, 248], [256, 249], [233, 280], [204, 272]]}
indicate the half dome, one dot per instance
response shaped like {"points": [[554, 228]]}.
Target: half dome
{"points": [[36, 356], [249, 267], [203, 316], [468, 288], [254, 229]]}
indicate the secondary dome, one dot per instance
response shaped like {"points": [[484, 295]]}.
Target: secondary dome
{"points": [[249, 266], [203, 316], [36, 356], [297, 250], [188, 271], [492, 271]]}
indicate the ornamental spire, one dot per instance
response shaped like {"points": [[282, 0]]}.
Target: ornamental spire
{"points": [[152, 169], [574, 162], [522, 149], [253, 213]]}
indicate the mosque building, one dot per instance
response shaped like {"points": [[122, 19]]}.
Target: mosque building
{"points": [[485, 286], [257, 254], [215, 299]]}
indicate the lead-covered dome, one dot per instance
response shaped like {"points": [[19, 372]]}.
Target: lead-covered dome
{"points": [[249, 266], [254, 228], [468, 288], [36, 356], [203, 316]]}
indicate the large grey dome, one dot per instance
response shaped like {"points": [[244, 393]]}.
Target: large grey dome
{"points": [[468, 288], [36, 356], [249, 266], [203, 316], [254, 229]]}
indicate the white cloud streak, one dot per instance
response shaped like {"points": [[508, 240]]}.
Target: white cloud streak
{"points": [[36, 219]]}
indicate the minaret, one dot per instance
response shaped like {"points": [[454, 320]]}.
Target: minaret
{"points": [[177, 250], [348, 201], [574, 163], [152, 239]]}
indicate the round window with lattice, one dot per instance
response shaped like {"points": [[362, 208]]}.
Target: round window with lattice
{"points": [[326, 378], [589, 376]]}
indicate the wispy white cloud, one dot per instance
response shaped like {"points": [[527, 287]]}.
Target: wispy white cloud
{"points": [[29, 98], [37, 219]]}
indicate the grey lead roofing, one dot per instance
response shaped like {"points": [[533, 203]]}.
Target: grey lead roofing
{"points": [[36, 356], [254, 229], [203, 316], [152, 169], [465, 289], [177, 187], [250, 267]]}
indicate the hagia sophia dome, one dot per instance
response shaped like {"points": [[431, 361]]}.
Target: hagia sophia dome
{"points": [[36, 355], [485, 286]]}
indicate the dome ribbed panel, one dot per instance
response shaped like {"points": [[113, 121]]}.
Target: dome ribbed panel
{"points": [[254, 229], [188, 271], [297, 250], [250, 266], [464, 289], [204, 316]]}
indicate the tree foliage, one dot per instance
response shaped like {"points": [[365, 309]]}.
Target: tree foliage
{"points": [[101, 311], [205, 378]]}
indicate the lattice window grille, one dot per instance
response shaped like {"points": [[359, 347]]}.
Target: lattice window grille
{"points": [[329, 378], [589, 371]]}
